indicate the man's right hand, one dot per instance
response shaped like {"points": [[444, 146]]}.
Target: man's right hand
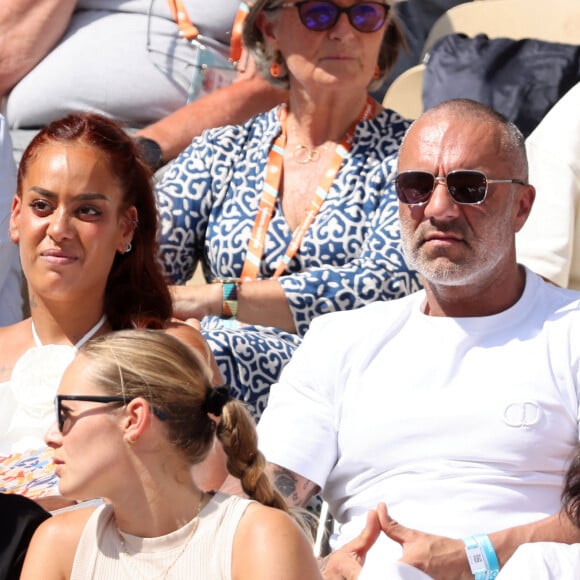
{"points": [[346, 562]]}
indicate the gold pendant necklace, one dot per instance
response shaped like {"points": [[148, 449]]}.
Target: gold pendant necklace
{"points": [[195, 525], [303, 154]]}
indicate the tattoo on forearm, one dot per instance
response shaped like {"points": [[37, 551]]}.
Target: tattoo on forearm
{"points": [[295, 489], [286, 483]]}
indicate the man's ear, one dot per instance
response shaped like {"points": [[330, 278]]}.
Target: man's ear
{"points": [[15, 219], [524, 202]]}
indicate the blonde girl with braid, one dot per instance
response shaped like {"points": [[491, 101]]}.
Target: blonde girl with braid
{"points": [[134, 411]]}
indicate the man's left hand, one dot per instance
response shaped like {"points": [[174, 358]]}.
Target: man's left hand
{"points": [[440, 557]]}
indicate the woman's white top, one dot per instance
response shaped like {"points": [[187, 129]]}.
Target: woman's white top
{"points": [[204, 555], [27, 399]]}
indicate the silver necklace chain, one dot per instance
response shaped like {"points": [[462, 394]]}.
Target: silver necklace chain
{"points": [[195, 525]]}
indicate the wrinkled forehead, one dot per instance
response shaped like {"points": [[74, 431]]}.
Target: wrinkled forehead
{"points": [[450, 142]]}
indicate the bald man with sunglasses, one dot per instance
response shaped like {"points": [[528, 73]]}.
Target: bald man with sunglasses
{"points": [[456, 406]]}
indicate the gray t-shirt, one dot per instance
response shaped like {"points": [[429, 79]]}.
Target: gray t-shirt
{"points": [[121, 58]]}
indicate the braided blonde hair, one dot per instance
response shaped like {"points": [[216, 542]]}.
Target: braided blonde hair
{"points": [[173, 378]]}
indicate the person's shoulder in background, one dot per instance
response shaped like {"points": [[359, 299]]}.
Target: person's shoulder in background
{"points": [[10, 272], [549, 242]]}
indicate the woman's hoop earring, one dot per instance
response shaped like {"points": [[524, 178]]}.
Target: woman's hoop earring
{"points": [[128, 248]]}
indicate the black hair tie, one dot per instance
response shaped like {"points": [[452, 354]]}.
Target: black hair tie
{"points": [[216, 399]]}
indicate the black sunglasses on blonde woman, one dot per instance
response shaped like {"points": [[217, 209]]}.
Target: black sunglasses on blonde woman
{"points": [[319, 15], [62, 413]]}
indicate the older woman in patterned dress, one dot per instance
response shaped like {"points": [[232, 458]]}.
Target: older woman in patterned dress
{"points": [[294, 213]]}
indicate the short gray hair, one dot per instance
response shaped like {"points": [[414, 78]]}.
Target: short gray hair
{"points": [[513, 142]]}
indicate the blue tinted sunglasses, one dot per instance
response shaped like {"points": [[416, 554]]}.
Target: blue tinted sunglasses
{"points": [[319, 15]]}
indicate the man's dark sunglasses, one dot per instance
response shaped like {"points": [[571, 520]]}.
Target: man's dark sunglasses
{"points": [[61, 414], [319, 15], [465, 187]]}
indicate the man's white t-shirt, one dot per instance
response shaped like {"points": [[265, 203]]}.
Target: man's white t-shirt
{"points": [[461, 425], [543, 561]]}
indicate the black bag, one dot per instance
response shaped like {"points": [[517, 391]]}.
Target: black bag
{"points": [[19, 517], [522, 79]]}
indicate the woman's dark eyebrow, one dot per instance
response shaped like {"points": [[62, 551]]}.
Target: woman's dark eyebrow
{"points": [[80, 196]]}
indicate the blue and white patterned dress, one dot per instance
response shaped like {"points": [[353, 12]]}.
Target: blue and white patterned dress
{"points": [[350, 256]]}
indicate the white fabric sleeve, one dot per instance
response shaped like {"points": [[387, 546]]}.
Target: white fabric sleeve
{"points": [[298, 429], [543, 561]]}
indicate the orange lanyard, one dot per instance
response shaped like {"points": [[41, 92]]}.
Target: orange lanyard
{"points": [[190, 31], [270, 192], [237, 29]]}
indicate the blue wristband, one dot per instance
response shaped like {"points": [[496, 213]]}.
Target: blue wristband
{"points": [[490, 555], [476, 558]]}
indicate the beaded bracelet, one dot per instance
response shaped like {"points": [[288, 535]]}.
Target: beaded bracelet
{"points": [[230, 297]]}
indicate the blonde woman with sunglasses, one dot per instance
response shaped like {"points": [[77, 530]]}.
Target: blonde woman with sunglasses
{"points": [[135, 409]]}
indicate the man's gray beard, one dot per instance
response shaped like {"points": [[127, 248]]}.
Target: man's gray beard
{"points": [[449, 275], [452, 274]]}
